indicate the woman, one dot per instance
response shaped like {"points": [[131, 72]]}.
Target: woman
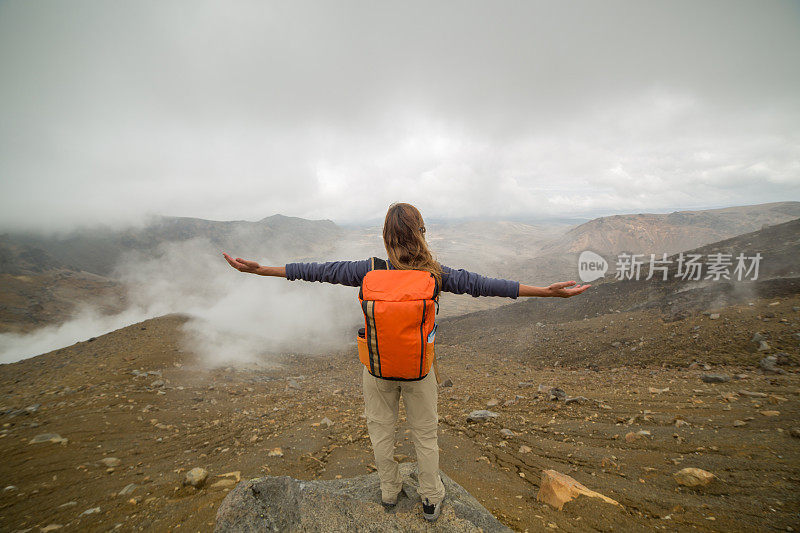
{"points": [[404, 240]]}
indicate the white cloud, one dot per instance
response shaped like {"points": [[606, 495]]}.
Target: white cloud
{"points": [[110, 111]]}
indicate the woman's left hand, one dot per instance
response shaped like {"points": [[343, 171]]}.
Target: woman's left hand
{"points": [[564, 289]]}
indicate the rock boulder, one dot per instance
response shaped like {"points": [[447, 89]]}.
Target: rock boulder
{"points": [[282, 503]]}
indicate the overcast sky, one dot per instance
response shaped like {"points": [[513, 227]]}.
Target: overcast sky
{"points": [[238, 110]]}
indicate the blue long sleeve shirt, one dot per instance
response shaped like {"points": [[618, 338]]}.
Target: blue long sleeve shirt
{"points": [[457, 281]]}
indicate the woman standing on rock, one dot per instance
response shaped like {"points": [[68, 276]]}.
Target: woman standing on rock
{"points": [[399, 298]]}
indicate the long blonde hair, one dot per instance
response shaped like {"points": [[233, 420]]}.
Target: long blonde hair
{"points": [[404, 239]]}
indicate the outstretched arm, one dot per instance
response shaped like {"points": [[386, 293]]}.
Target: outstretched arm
{"points": [[562, 289], [251, 267], [460, 281]]}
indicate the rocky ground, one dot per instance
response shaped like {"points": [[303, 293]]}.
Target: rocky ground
{"points": [[129, 414], [37, 299]]}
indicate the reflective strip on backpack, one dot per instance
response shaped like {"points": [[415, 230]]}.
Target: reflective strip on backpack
{"points": [[372, 337], [422, 337]]}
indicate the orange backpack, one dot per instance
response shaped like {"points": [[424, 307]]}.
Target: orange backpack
{"points": [[399, 308]]}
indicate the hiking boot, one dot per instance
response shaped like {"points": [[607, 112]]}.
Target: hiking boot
{"points": [[392, 502], [431, 510]]}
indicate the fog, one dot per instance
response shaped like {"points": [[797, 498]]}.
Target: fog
{"points": [[237, 317], [234, 317]]}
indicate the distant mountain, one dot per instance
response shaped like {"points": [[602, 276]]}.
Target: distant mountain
{"points": [[19, 258], [42, 279], [670, 233], [37, 290], [674, 299], [98, 250]]}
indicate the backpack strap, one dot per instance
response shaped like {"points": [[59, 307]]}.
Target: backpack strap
{"points": [[376, 263]]}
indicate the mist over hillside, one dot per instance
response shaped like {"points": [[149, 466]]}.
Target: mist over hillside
{"points": [[101, 250], [58, 290]]}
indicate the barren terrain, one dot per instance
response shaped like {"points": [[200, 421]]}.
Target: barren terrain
{"points": [[228, 420]]}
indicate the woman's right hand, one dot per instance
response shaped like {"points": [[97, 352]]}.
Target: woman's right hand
{"points": [[242, 265]]}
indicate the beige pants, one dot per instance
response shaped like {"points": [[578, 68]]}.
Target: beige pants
{"points": [[381, 404]]}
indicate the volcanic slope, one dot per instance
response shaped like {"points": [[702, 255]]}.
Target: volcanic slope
{"points": [[138, 412]]}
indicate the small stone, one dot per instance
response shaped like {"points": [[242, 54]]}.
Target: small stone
{"points": [[763, 346], [556, 489], [492, 403], [693, 477], [110, 461], [223, 484], [196, 477], [715, 378], [739, 423], [752, 394], [527, 449], [275, 452], [576, 399], [128, 489], [292, 384], [48, 437], [606, 462], [93, 510], [507, 432], [447, 383], [654, 390], [713, 316], [770, 413], [769, 364], [795, 432], [557, 394], [481, 414]]}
